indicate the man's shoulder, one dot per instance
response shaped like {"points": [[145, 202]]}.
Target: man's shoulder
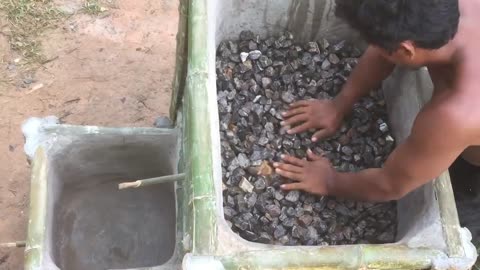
{"points": [[449, 112], [457, 114]]}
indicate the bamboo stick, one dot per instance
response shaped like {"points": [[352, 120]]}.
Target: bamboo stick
{"points": [[179, 80], [197, 130], [18, 244], [152, 181], [335, 258]]}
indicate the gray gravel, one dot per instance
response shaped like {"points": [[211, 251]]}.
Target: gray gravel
{"points": [[256, 81]]}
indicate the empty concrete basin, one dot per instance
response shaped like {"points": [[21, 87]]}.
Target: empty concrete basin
{"points": [[90, 224]]}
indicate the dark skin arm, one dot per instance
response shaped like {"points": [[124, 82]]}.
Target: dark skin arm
{"points": [[326, 115], [425, 154]]}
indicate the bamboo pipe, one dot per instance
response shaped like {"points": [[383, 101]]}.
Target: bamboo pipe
{"points": [[152, 181]]}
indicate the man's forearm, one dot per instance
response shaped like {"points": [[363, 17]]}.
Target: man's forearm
{"points": [[366, 185], [371, 70]]}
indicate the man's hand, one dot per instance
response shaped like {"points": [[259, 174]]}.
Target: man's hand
{"points": [[322, 115], [325, 116], [313, 175]]}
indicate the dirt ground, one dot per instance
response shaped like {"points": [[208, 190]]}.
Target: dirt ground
{"points": [[110, 69]]}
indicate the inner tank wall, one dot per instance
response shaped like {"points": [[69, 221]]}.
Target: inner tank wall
{"points": [[83, 177], [308, 20], [406, 91]]}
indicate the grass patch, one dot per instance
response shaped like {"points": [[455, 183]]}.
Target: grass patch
{"points": [[93, 7], [27, 20]]}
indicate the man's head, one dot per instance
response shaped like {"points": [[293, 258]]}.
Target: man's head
{"points": [[406, 30]]}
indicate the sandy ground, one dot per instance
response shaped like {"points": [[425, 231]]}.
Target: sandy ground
{"points": [[113, 69]]}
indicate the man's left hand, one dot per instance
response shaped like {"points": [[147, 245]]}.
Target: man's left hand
{"points": [[312, 175]]}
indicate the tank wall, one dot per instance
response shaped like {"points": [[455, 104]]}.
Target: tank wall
{"points": [[419, 218], [307, 19], [406, 91]]}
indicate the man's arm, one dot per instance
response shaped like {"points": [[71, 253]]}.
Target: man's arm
{"points": [[371, 70], [435, 142], [326, 115]]}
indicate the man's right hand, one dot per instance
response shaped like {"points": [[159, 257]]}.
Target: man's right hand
{"points": [[321, 115], [325, 116]]}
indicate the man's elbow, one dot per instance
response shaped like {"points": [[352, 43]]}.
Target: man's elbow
{"points": [[394, 189], [388, 193], [397, 194]]}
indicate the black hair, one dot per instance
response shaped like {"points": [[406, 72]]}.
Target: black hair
{"points": [[430, 24]]}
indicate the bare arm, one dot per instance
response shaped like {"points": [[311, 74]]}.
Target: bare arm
{"points": [[437, 138], [435, 142], [370, 71], [326, 115]]}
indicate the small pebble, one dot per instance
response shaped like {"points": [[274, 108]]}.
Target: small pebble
{"points": [[254, 55], [243, 56], [293, 196], [245, 185]]}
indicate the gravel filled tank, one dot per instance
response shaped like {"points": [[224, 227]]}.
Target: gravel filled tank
{"points": [[427, 235], [257, 79]]}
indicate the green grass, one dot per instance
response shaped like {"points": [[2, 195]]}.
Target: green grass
{"points": [[93, 7], [27, 20]]}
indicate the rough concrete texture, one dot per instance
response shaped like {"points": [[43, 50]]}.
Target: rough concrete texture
{"points": [[97, 226], [114, 70], [80, 219], [134, 232]]}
